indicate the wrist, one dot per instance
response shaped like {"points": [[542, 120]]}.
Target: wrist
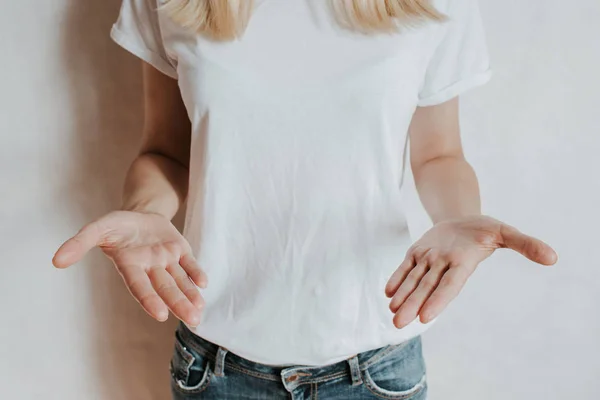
{"points": [[455, 216], [147, 208]]}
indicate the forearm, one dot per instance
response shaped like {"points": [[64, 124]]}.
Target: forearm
{"points": [[155, 183], [448, 188]]}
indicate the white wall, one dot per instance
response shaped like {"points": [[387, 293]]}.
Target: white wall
{"points": [[70, 123]]}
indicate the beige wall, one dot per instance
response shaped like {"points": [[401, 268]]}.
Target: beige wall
{"points": [[70, 124]]}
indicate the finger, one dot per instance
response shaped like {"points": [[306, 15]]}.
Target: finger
{"points": [[449, 287], [178, 303], [399, 275], [185, 284], [409, 284], [141, 289], [410, 309], [532, 248], [74, 249], [191, 267]]}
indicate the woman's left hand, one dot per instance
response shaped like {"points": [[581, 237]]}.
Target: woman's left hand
{"points": [[438, 265]]}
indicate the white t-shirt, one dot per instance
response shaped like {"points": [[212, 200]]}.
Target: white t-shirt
{"points": [[295, 196]]}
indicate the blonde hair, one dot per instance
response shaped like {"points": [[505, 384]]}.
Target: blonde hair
{"points": [[227, 19]]}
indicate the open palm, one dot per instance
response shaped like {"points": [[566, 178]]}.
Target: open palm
{"points": [[151, 255], [438, 265]]}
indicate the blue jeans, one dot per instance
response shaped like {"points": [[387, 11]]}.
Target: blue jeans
{"points": [[203, 370]]}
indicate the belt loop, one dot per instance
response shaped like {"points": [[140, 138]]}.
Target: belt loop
{"points": [[220, 361], [355, 371]]}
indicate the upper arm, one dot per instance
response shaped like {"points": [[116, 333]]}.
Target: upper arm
{"points": [[167, 128], [435, 132], [459, 62]]}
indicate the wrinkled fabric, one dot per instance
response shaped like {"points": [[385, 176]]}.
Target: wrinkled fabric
{"points": [[299, 132]]}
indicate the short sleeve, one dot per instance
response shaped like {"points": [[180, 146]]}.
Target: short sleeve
{"points": [[460, 60], [138, 31]]}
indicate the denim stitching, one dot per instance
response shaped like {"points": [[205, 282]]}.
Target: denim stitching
{"points": [[253, 373], [393, 397], [331, 376], [355, 371], [272, 377], [206, 353], [373, 389], [202, 351], [377, 357], [220, 361], [197, 390], [186, 356]]}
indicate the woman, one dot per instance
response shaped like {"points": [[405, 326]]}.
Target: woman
{"points": [[285, 126]]}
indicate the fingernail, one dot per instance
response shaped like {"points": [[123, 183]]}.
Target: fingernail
{"points": [[162, 317], [194, 321]]}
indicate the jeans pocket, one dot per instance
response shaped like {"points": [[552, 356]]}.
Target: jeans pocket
{"points": [[190, 371], [399, 375]]}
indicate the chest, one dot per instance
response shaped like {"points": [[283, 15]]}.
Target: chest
{"points": [[298, 48]]}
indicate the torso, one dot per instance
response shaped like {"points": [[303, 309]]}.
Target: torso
{"points": [[295, 202]]}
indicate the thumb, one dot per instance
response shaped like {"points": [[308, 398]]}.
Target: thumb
{"points": [[74, 249], [532, 248]]}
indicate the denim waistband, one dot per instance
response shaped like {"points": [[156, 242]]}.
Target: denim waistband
{"points": [[294, 375]]}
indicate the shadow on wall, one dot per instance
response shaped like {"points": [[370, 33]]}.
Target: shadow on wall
{"points": [[130, 350]]}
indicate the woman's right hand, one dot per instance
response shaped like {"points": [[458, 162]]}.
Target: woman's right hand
{"points": [[153, 258]]}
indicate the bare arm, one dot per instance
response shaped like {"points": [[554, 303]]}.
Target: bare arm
{"points": [[445, 181], [157, 180], [155, 261], [438, 265]]}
